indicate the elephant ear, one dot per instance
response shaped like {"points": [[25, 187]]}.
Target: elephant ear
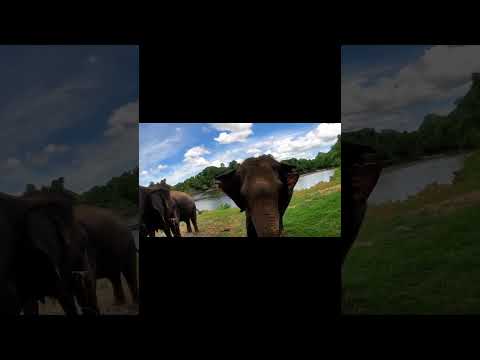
{"points": [[289, 177], [231, 183], [364, 178], [47, 239], [158, 203]]}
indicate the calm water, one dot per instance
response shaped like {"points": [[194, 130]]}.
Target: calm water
{"points": [[397, 183], [304, 182]]}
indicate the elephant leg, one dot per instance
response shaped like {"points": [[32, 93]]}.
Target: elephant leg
{"points": [[167, 232], [194, 220], [189, 227], [177, 229], [31, 308], [130, 274], [118, 289], [67, 302]]}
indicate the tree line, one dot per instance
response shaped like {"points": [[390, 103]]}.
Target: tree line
{"points": [[119, 194], [205, 180], [457, 131]]}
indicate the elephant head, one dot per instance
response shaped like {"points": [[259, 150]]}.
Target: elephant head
{"points": [[166, 207], [362, 167], [158, 210], [263, 188]]}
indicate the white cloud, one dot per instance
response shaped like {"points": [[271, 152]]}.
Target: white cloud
{"points": [[161, 167], [144, 172], [237, 132], [112, 158], [196, 152], [281, 146], [324, 135], [12, 163], [194, 156], [123, 118], [439, 72]]}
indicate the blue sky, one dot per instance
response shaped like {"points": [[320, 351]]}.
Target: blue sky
{"points": [[69, 111], [395, 86], [179, 151]]}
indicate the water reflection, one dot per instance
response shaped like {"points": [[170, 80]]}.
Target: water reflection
{"points": [[397, 183]]}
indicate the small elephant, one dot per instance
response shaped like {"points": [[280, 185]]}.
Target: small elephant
{"points": [[263, 188], [114, 249], [184, 209]]}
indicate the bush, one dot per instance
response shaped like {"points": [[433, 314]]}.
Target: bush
{"points": [[225, 206]]}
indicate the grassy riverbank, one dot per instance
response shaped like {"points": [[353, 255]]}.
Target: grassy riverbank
{"points": [[419, 256], [312, 212]]}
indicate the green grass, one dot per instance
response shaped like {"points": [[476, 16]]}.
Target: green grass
{"points": [[419, 256], [312, 212]]}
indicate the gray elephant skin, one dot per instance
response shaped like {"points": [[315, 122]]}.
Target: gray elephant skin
{"points": [[263, 188], [362, 169], [157, 211], [43, 253], [184, 209], [113, 244]]}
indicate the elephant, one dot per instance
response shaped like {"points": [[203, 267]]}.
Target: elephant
{"points": [[157, 211], [362, 167], [263, 188], [113, 246], [82, 285], [184, 209], [43, 253]]}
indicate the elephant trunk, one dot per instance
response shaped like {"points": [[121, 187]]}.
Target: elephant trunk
{"points": [[266, 218]]}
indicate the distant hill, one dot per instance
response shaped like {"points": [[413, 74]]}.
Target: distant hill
{"points": [[457, 131]]}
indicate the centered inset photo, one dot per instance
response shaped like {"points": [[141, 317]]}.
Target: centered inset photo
{"points": [[240, 179]]}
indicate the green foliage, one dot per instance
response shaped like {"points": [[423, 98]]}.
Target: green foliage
{"points": [[119, 193], [205, 180], [418, 256], [224, 206], [322, 160], [459, 130], [312, 212], [56, 186]]}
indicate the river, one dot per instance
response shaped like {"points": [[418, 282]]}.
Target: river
{"points": [[398, 182], [304, 182]]}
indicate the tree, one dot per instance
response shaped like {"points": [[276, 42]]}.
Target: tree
{"points": [[57, 185], [30, 189]]}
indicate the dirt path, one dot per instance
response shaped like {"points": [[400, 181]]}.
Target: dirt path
{"points": [[105, 302]]}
